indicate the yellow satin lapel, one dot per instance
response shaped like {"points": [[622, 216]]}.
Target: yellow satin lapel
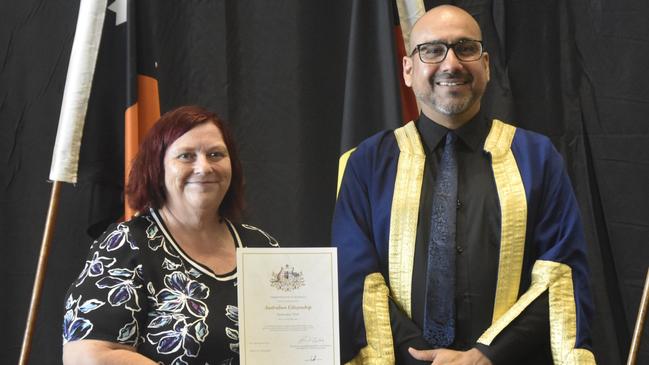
{"points": [[376, 313], [405, 214], [513, 208]]}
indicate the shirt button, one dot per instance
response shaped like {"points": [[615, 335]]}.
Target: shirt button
{"points": [[459, 249]]}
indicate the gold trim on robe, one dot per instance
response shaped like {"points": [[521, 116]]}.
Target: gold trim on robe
{"points": [[513, 208], [557, 279], [405, 214], [376, 313]]}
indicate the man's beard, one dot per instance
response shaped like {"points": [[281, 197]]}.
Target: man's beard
{"points": [[451, 102], [453, 106], [448, 105]]}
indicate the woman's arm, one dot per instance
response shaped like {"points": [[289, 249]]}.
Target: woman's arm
{"points": [[95, 352]]}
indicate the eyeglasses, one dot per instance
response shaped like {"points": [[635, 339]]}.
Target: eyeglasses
{"points": [[435, 52]]}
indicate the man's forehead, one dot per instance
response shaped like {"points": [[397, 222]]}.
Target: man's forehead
{"points": [[444, 37], [445, 26]]}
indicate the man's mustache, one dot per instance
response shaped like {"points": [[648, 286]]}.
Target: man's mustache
{"points": [[453, 76]]}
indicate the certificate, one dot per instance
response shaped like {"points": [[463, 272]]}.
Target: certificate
{"points": [[288, 306]]}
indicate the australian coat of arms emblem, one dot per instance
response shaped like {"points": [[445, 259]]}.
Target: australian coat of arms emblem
{"points": [[287, 279]]}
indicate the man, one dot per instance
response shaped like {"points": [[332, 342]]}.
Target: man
{"points": [[459, 238]]}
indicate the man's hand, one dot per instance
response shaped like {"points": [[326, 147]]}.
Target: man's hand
{"points": [[450, 357]]}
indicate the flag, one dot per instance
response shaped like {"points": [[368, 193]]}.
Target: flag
{"points": [[123, 104], [81, 68], [142, 96], [376, 97]]}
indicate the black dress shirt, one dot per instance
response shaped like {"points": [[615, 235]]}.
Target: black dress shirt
{"points": [[477, 256]]}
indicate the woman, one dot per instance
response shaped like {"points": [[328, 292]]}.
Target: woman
{"points": [[161, 288]]}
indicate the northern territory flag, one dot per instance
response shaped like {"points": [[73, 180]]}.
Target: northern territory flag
{"points": [[123, 104], [142, 97]]}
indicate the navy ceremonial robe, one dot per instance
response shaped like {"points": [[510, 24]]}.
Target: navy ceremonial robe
{"points": [[375, 228]]}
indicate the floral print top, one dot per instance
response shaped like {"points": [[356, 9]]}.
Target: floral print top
{"points": [[139, 288]]}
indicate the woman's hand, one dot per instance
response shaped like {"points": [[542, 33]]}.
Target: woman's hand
{"points": [[450, 357], [94, 352]]}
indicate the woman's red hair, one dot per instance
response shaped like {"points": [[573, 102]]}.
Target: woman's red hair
{"points": [[146, 187]]}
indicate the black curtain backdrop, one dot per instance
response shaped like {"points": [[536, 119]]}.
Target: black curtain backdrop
{"points": [[291, 77]]}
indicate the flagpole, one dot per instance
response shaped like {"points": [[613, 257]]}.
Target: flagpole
{"points": [[65, 157], [40, 272], [639, 324]]}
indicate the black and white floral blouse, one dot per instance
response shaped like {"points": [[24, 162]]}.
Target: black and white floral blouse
{"points": [[139, 288]]}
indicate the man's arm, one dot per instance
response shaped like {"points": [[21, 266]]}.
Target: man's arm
{"points": [[363, 294], [406, 335], [450, 357], [527, 336], [556, 236]]}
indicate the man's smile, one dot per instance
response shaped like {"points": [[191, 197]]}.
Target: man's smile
{"points": [[451, 83]]}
